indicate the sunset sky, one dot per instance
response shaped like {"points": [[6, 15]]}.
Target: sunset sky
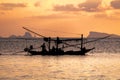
{"points": [[71, 16]]}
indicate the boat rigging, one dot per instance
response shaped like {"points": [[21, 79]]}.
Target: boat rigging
{"points": [[58, 50]]}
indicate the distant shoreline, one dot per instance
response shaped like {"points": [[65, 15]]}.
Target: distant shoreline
{"points": [[92, 34]]}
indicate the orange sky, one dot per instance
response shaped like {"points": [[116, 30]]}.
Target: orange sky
{"points": [[72, 16]]}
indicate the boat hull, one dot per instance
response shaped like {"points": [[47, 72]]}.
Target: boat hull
{"points": [[82, 52]]}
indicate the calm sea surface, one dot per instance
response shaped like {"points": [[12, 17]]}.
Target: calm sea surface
{"points": [[100, 64]]}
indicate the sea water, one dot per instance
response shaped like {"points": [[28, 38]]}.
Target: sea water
{"points": [[99, 64]]}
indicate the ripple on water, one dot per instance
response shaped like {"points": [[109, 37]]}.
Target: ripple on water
{"points": [[93, 67]]}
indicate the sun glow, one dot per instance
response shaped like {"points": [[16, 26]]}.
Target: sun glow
{"points": [[78, 16]]}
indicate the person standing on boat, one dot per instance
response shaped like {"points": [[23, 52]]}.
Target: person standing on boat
{"points": [[53, 49], [31, 47], [43, 47]]}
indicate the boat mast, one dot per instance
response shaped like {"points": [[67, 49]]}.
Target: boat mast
{"points": [[57, 42], [81, 41], [49, 41]]}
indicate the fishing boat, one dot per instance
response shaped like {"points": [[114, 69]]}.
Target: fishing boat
{"points": [[58, 50]]}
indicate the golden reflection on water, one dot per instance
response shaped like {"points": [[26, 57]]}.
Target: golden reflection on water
{"points": [[91, 67]]}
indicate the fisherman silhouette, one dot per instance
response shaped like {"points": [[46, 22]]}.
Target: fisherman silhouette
{"points": [[83, 48], [63, 46], [43, 47], [53, 49], [31, 47]]}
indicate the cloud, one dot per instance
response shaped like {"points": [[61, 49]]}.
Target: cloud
{"points": [[11, 6], [115, 4], [2, 13], [51, 16], [101, 15], [88, 6], [112, 16], [68, 7], [37, 4]]}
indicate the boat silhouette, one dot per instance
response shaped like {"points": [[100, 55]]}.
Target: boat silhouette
{"points": [[58, 50]]}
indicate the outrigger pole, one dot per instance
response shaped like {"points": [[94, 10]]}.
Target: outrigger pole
{"points": [[34, 32], [45, 38]]}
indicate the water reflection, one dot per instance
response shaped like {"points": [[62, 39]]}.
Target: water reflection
{"points": [[91, 67]]}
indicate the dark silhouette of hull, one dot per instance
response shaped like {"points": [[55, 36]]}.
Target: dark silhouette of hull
{"points": [[57, 53], [82, 52]]}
